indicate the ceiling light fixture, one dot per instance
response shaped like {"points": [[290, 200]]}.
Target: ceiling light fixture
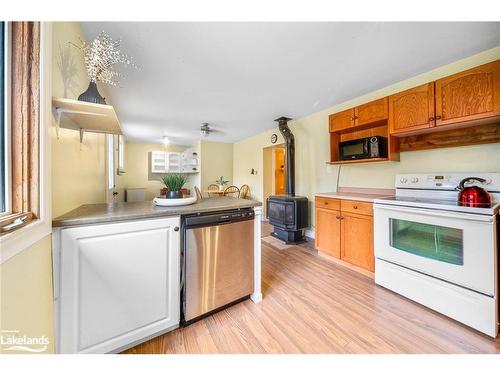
{"points": [[166, 141]]}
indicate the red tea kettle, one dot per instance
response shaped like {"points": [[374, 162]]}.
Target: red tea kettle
{"points": [[473, 196]]}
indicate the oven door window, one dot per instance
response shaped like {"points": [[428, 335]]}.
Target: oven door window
{"points": [[443, 244]]}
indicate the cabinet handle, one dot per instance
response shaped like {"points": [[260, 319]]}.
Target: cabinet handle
{"points": [[326, 203], [431, 118], [438, 117], [176, 229], [337, 217], [355, 207]]}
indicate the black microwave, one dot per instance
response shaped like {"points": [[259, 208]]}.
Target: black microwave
{"points": [[363, 148]]}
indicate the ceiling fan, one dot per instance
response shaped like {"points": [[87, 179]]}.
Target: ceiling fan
{"points": [[205, 129]]}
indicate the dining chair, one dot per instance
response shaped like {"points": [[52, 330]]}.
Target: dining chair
{"points": [[213, 187], [244, 191], [198, 193], [232, 191]]}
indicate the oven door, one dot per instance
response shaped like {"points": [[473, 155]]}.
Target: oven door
{"points": [[454, 247]]}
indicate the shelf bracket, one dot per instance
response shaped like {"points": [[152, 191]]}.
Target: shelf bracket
{"points": [[81, 135]]}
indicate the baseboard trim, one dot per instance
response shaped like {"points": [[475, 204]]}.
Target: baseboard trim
{"points": [[345, 264], [310, 233]]}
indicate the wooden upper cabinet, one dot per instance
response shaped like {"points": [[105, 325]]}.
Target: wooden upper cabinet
{"points": [[412, 109], [470, 95], [342, 120], [369, 113]]}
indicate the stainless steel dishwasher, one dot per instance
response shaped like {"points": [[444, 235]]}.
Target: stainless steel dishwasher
{"points": [[218, 261]]}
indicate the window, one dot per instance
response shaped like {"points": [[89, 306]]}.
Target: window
{"points": [[3, 146], [20, 130], [121, 156]]}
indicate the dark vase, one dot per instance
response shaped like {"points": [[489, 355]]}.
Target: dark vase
{"points": [[92, 95], [174, 194]]}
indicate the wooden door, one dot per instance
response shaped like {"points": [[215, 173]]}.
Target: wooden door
{"points": [[470, 95], [119, 283], [373, 112], [412, 109], [279, 171], [342, 120], [327, 236], [357, 240]]}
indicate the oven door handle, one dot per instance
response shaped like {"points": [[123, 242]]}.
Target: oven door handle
{"points": [[435, 213]]}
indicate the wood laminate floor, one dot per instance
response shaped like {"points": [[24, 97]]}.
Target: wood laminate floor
{"points": [[312, 305]]}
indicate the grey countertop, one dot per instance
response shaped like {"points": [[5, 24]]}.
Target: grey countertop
{"points": [[88, 214]]}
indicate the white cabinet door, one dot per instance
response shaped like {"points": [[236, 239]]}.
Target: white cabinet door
{"points": [[119, 284], [158, 161]]}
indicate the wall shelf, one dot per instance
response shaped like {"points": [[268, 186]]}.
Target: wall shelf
{"points": [[85, 117]]}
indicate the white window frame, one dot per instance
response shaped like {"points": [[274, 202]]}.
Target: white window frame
{"points": [[121, 155], [13, 243], [110, 167]]}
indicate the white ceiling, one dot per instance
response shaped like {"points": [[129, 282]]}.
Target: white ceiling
{"points": [[239, 77]]}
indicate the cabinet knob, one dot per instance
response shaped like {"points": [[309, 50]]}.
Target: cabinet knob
{"points": [[337, 217], [355, 207], [176, 229], [438, 117], [431, 118], [326, 203]]}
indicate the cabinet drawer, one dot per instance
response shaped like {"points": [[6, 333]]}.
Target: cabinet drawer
{"points": [[329, 203], [357, 207]]}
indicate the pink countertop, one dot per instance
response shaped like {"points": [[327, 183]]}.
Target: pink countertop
{"points": [[358, 194]]}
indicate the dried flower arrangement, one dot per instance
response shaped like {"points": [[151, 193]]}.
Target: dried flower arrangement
{"points": [[100, 56]]}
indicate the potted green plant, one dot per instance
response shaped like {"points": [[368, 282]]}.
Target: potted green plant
{"points": [[174, 183], [221, 182]]}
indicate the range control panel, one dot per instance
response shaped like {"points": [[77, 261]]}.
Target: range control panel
{"points": [[446, 181]]}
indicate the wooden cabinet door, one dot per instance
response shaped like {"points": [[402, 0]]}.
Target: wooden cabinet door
{"points": [[357, 240], [372, 112], [412, 109], [470, 95], [119, 283], [342, 120], [327, 237]]}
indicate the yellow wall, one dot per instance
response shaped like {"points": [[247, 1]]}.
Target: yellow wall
{"points": [[312, 147], [137, 167], [26, 294], [78, 169], [216, 161]]}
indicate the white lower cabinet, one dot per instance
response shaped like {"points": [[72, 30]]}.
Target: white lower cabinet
{"points": [[116, 284]]}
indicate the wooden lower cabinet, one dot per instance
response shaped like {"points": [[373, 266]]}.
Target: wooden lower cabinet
{"points": [[345, 234], [327, 238], [357, 240]]}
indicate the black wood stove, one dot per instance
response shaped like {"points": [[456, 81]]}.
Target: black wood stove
{"points": [[288, 212]]}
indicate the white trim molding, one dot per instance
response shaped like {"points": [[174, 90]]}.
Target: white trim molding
{"points": [[19, 240]]}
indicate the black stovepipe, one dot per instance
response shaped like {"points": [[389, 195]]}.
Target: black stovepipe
{"points": [[290, 154]]}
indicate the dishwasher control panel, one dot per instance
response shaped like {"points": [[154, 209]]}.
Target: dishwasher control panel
{"points": [[215, 218]]}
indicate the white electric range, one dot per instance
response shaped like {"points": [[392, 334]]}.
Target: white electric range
{"points": [[436, 252]]}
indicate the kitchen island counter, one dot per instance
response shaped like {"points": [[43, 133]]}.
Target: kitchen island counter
{"points": [[89, 214]]}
